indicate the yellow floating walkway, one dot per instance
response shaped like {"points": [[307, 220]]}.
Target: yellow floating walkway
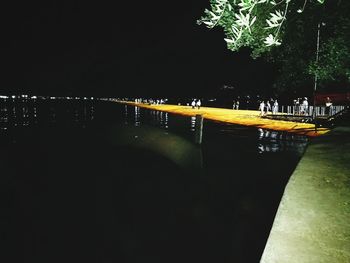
{"points": [[242, 117]]}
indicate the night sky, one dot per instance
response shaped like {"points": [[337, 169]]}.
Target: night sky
{"points": [[120, 48]]}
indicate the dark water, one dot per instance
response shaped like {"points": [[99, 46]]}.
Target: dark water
{"points": [[93, 181]]}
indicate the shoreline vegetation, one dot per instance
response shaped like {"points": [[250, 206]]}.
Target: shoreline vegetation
{"points": [[241, 117]]}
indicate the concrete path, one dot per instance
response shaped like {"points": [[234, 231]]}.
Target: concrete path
{"points": [[241, 117], [312, 224]]}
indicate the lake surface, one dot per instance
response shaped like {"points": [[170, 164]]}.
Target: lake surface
{"points": [[94, 181]]}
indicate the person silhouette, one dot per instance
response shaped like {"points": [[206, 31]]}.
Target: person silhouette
{"points": [[198, 103], [328, 105], [262, 108], [275, 107], [193, 104]]}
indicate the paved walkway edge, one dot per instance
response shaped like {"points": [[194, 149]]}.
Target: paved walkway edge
{"points": [[312, 224]]}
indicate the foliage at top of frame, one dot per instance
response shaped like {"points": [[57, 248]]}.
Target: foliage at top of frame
{"points": [[258, 24]]}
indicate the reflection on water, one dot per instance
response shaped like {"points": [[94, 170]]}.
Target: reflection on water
{"points": [[137, 116], [166, 120], [266, 141], [193, 123], [23, 113], [33, 112], [159, 118], [125, 114], [274, 141], [221, 210]]}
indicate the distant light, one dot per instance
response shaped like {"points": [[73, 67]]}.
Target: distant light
{"points": [[13, 96], [34, 97], [299, 11]]}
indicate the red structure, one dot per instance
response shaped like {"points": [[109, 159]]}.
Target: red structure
{"points": [[336, 98]]}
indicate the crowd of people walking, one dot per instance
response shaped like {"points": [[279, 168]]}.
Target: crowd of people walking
{"points": [[196, 103], [299, 106], [235, 105], [269, 105]]}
